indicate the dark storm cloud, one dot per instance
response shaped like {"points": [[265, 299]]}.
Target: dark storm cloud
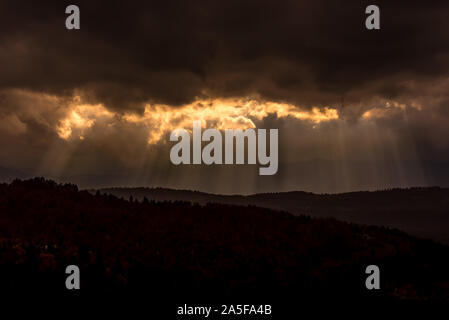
{"points": [[307, 53], [304, 52]]}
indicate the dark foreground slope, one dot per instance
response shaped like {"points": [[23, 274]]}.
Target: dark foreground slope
{"points": [[186, 252], [423, 212]]}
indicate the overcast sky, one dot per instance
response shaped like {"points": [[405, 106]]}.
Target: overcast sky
{"points": [[356, 109]]}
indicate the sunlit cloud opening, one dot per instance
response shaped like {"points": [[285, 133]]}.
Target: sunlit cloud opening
{"points": [[389, 108], [222, 114], [214, 113], [80, 118]]}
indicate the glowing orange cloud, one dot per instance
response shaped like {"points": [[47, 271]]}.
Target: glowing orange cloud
{"points": [[80, 118], [214, 113], [222, 114], [388, 108]]}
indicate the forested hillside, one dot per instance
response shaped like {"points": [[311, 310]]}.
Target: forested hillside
{"points": [[180, 249]]}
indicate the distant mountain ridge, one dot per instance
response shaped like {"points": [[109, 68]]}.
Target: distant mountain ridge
{"points": [[422, 212]]}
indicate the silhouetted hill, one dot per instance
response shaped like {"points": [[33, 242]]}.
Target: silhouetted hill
{"points": [[422, 212], [179, 249]]}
